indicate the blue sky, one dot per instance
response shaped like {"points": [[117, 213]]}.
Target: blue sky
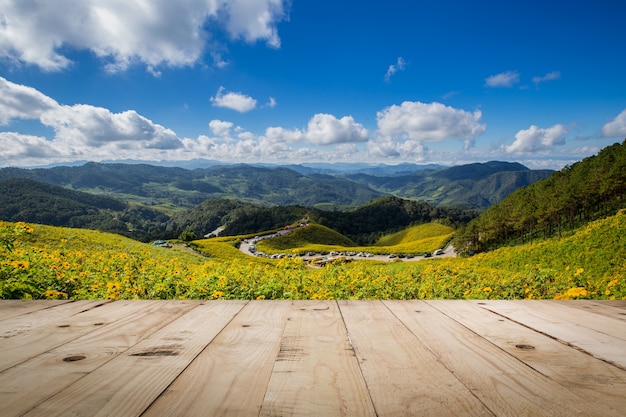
{"points": [[276, 81]]}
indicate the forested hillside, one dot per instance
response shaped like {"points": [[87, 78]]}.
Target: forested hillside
{"points": [[473, 186], [587, 190], [36, 202], [366, 224]]}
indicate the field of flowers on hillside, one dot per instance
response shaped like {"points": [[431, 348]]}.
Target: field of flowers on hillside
{"points": [[38, 262]]}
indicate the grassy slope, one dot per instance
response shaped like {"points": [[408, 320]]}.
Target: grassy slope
{"points": [[416, 239], [52, 262]]}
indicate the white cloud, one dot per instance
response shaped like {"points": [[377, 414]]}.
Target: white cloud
{"points": [[536, 139], [235, 101], [432, 122], [616, 127], [80, 131], [155, 33], [504, 79], [387, 148], [400, 65], [23, 102], [254, 19], [95, 126], [271, 103], [554, 75], [326, 129], [16, 146], [322, 129], [220, 128]]}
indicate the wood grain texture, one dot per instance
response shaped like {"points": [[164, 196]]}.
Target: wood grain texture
{"points": [[118, 330], [592, 341], [602, 384], [230, 376], [316, 372], [129, 383], [403, 376], [13, 308], [312, 358]]}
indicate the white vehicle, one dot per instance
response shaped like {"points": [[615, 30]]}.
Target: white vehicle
{"points": [[438, 252]]}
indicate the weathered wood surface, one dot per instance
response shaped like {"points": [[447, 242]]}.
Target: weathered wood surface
{"points": [[313, 358]]}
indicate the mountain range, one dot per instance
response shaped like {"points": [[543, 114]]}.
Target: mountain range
{"points": [[323, 186]]}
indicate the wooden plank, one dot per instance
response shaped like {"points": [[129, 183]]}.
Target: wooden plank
{"points": [[13, 308], [316, 372], [25, 336], [403, 376], [602, 324], [129, 383], [616, 303], [597, 344], [601, 385], [24, 323], [28, 384], [505, 385], [599, 307], [231, 375]]}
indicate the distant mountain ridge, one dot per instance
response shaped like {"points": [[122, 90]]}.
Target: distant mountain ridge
{"points": [[473, 186]]}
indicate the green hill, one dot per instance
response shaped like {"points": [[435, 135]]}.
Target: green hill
{"points": [[39, 261], [587, 190], [415, 233], [36, 202], [471, 186], [303, 237], [467, 186]]}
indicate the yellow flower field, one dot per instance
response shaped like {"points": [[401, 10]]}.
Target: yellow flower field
{"points": [[49, 262]]}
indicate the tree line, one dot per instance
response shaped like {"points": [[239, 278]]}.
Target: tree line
{"points": [[585, 191]]}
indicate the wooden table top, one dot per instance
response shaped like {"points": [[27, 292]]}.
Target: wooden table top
{"points": [[312, 358]]}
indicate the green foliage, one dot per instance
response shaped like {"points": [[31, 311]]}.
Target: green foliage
{"points": [[52, 262], [305, 238], [187, 235], [36, 202], [385, 215], [587, 190], [473, 186], [414, 233]]}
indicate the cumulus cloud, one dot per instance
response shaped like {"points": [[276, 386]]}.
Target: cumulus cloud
{"points": [[504, 79], [254, 20], [536, 139], [155, 33], [235, 101], [400, 65], [434, 122], [94, 126], [387, 148], [326, 129], [554, 75], [79, 130], [24, 147], [220, 128], [23, 102], [616, 127], [322, 129]]}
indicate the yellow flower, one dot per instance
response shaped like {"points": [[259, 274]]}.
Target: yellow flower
{"points": [[218, 294], [261, 297], [53, 295], [576, 292], [20, 264]]}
